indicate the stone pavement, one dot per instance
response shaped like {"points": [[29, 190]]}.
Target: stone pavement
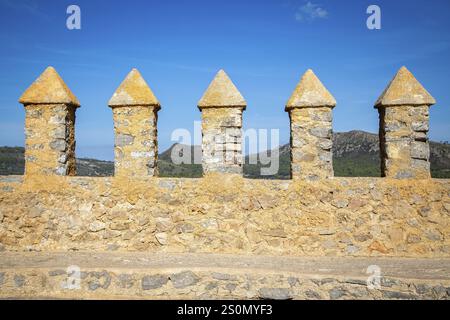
{"points": [[104, 275]]}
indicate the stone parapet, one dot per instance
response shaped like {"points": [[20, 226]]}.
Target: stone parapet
{"points": [[404, 124], [340, 216], [310, 112], [222, 106], [49, 126], [135, 117]]}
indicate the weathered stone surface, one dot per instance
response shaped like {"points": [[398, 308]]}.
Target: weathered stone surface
{"points": [[336, 293], [310, 112], [311, 294], [321, 132], [58, 272], [135, 115], [125, 281], [19, 280], [420, 150], [184, 279], [397, 295], [185, 228], [222, 107], [27, 275], [340, 216], [49, 126], [98, 280], [310, 92], [97, 226], [154, 282], [275, 293], [134, 157], [223, 276], [404, 90], [50, 145], [58, 145], [340, 203], [133, 91], [218, 154], [420, 126], [49, 88], [162, 238], [326, 144], [122, 140], [222, 93], [311, 144], [404, 119]]}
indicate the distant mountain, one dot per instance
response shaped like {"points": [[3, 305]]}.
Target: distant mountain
{"points": [[12, 163], [168, 169], [355, 153], [11, 160]]}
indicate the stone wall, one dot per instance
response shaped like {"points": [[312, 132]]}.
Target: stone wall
{"points": [[406, 214], [404, 124], [312, 215], [111, 275], [311, 143], [404, 142], [50, 118], [135, 150], [135, 114], [222, 140], [227, 214], [50, 139], [222, 105], [310, 112]]}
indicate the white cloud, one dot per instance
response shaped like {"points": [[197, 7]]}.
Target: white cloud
{"points": [[310, 12]]}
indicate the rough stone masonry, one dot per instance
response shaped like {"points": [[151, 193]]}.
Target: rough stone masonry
{"points": [[138, 275], [354, 218], [135, 110], [222, 106], [219, 213], [49, 126], [310, 111], [404, 124]]}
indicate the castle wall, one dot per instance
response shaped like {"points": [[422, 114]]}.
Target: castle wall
{"points": [[227, 214]]}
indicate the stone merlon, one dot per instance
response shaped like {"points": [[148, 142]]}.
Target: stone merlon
{"points": [[310, 92], [404, 90], [222, 93], [49, 88], [134, 91]]}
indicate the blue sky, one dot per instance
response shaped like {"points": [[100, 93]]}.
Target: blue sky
{"points": [[264, 46]]}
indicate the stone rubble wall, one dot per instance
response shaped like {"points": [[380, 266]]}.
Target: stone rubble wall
{"points": [[50, 139], [405, 150], [222, 140], [195, 284], [227, 214], [135, 145], [311, 143]]}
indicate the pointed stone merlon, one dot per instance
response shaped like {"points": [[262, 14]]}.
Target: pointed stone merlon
{"points": [[135, 108], [222, 106], [49, 126], [310, 112], [404, 123]]}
